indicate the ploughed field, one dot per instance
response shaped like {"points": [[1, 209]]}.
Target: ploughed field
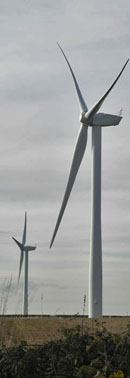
{"points": [[40, 330]]}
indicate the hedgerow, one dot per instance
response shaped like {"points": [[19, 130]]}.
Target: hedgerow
{"points": [[76, 355]]}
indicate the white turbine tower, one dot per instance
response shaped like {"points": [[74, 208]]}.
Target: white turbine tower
{"points": [[96, 120], [24, 251]]}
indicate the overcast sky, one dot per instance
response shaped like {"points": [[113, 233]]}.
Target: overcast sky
{"points": [[39, 121]]}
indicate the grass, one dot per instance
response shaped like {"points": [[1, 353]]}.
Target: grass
{"points": [[35, 330]]}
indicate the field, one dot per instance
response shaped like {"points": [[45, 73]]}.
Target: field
{"points": [[39, 330]]}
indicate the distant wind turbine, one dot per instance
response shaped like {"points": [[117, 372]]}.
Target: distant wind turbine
{"points": [[96, 120], [24, 250]]}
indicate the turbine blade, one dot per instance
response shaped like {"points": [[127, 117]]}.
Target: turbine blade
{"points": [[82, 104], [20, 245], [77, 158], [25, 230], [97, 106], [20, 265]]}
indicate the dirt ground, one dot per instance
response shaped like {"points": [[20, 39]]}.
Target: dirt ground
{"points": [[39, 330]]}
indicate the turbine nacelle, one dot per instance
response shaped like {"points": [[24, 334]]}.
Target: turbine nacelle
{"points": [[104, 119], [99, 119], [29, 248]]}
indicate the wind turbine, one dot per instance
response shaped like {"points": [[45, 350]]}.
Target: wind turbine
{"points": [[24, 251], [96, 120]]}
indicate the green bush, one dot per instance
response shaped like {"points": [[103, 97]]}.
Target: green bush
{"points": [[75, 356], [86, 372]]}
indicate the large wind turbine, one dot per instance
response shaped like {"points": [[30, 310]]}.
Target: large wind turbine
{"points": [[96, 120], [24, 251]]}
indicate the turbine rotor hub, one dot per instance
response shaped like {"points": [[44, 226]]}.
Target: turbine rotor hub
{"points": [[82, 118], [85, 118]]}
